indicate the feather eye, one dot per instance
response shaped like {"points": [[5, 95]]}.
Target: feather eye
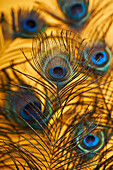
{"points": [[98, 56], [91, 142], [57, 57], [92, 132], [26, 104], [26, 23], [56, 68], [29, 23], [76, 11], [72, 12]]}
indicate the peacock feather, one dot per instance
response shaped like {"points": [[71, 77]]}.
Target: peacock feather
{"points": [[56, 93], [61, 135], [57, 56], [98, 56], [75, 12], [78, 14], [27, 24]]}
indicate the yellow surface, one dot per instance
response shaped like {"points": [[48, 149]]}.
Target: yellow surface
{"points": [[18, 43]]}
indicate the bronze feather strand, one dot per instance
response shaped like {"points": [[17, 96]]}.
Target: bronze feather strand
{"points": [[58, 115]]}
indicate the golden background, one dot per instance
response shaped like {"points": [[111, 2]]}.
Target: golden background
{"points": [[27, 44]]}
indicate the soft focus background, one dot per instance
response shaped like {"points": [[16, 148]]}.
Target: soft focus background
{"points": [[7, 5]]}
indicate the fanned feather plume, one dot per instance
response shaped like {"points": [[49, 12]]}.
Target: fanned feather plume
{"points": [[50, 120], [56, 92]]}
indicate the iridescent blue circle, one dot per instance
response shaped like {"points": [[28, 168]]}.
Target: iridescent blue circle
{"points": [[57, 72], [91, 140], [99, 60], [33, 109], [78, 8], [30, 25]]}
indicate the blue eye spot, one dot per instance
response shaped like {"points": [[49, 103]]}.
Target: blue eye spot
{"points": [[30, 25], [91, 140], [57, 72], [99, 58], [77, 11], [32, 108]]}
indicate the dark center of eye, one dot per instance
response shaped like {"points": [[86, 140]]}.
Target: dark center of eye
{"points": [[30, 23], [58, 71], [98, 56], [75, 9], [90, 138], [32, 108]]}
